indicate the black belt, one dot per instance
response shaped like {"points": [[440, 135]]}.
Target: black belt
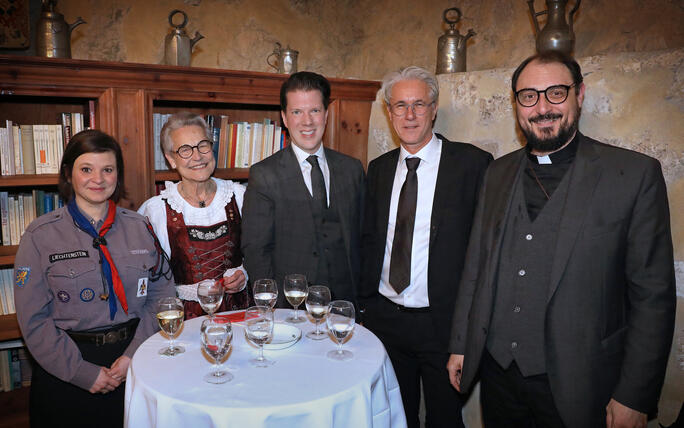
{"points": [[406, 309], [115, 334]]}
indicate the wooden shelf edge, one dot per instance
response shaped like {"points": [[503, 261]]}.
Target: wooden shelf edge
{"points": [[224, 173], [7, 253], [9, 327], [29, 180]]}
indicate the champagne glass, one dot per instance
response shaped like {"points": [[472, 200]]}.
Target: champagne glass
{"points": [[295, 293], [265, 292], [341, 323], [317, 302], [210, 295], [170, 317], [216, 336], [259, 329]]}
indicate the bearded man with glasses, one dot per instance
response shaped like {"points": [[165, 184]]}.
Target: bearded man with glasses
{"points": [[420, 202], [567, 300]]}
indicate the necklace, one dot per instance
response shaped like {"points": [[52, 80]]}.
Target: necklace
{"points": [[201, 202], [541, 186]]}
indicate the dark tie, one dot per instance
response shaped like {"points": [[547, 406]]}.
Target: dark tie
{"points": [[400, 262], [317, 182]]}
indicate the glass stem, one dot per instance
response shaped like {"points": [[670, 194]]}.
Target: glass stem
{"points": [[318, 325], [171, 344], [261, 352], [339, 347]]}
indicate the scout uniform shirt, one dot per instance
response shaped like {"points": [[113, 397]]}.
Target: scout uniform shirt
{"points": [[59, 286]]}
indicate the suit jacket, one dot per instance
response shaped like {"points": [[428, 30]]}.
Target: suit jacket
{"points": [[461, 170], [278, 231], [610, 306]]}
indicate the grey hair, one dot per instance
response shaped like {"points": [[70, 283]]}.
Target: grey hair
{"points": [[178, 121], [410, 73]]}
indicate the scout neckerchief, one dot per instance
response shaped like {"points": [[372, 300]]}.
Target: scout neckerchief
{"points": [[99, 242]]}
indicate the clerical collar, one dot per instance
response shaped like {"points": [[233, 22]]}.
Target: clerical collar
{"points": [[566, 154]]}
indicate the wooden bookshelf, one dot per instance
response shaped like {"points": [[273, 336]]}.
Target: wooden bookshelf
{"points": [[9, 328]]}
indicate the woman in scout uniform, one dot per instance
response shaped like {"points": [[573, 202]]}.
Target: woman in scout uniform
{"points": [[197, 219], [87, 280]]}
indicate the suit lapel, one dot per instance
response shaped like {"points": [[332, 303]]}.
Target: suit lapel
{"points": [[445, 178], [585, 176], [384, 191]]}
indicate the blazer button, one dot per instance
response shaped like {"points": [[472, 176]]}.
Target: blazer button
{"points": [[315, 253], [484, 330]]}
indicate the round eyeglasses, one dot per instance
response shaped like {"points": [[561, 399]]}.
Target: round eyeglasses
{"points": [[185, 151], [556, 94], [419, 108]]}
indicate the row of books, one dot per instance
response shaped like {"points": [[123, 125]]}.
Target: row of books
{"points": [[7, 291], [18, 210], [36, 149], [236, 145], [15, 369]]}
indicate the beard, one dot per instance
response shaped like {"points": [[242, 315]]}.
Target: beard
{"points": [[548, 141]]}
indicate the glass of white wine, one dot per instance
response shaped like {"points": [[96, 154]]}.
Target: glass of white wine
{"points": [[170, 317], [317, 302], [296, 289], [216, 335], [265, 292], [340, 321], [259, 329], [210, 296]]}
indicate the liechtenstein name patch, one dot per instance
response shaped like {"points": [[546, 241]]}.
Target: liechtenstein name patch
{"points": [[70, 255], [21, 275]]}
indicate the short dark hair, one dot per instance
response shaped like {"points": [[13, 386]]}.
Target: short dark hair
{"points": [[305, 81], [547, 58], [89, 141]]}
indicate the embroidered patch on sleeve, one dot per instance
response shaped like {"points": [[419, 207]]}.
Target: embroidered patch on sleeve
{"points": [[142, 287], [21, 275]]}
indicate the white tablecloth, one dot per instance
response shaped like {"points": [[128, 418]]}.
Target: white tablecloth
{"points": [[302, 389]]}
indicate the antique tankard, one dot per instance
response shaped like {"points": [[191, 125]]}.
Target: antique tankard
{"points": [[53, 34], [285, 61], [177, 44], [451, 46]]}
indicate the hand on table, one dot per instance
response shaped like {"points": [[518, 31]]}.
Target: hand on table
{"points": [[104, 383], [620, 416], [455, 369], [234, 283]]}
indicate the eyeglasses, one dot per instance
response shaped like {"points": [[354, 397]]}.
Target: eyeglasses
{"points": [[203, 147], [556, 94], [419, 108]]}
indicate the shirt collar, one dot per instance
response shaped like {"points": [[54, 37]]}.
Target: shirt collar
{"points": [[302, 155], [564, 155], [429, 153]]}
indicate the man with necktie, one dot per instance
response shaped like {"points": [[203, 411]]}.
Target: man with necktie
{"points": [[419, 205], [302, 210]]}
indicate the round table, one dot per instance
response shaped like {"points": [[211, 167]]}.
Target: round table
{"points": [[302, 389]]}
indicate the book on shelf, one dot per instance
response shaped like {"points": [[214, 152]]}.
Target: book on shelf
{"points": [[18, 210], [6, 291], [236, 144], [16, 368]]}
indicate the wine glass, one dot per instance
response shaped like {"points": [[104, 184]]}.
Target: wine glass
{"points": [[317, 302], [216, 335], [265, 292], [295, 293], [210, 295], [170, 317], [259, 329], [341, 323]]}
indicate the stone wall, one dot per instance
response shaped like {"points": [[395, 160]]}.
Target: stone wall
{"points": [[357, 38], [632, 100]]}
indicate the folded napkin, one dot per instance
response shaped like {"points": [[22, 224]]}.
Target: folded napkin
{"points": [[234, 316]]}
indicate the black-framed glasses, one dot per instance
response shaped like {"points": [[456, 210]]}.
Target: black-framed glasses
{"points": [[419, 108], [556, 94], [185, 151]]}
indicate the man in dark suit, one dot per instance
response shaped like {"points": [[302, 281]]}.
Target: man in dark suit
{"points": [[419, 205], [567, 299], [302, 209]]}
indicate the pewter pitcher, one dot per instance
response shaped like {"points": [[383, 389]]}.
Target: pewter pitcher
{"points": [[285, 61], [451, 46], [177, 44], [53, 34], [557, 34]]}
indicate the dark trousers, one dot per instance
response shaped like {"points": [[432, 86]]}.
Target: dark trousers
{"points": [[55, 403], [510, 400], [416, 355]]}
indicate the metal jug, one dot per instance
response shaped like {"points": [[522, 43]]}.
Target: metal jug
{"points": [[451, 46], [53, 34], [286, 59], [177, 44], [557, 34]]}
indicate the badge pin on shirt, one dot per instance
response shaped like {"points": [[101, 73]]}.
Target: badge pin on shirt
{"points": [[142, 287]]}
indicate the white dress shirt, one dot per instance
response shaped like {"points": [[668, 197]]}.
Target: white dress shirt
{"points": [[416, 294], [305, 166]]}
